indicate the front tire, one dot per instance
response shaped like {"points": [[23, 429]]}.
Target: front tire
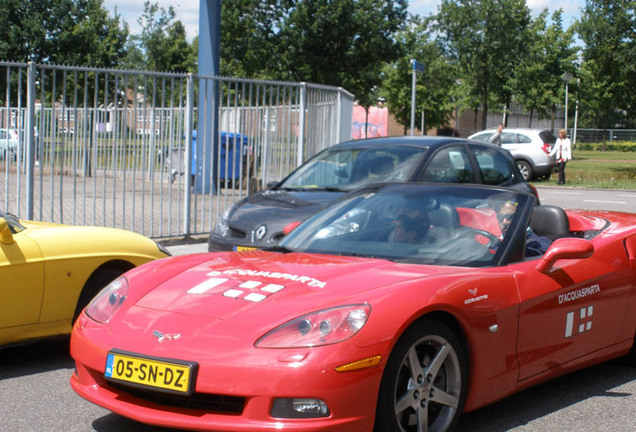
{"points": [[424, 383]]}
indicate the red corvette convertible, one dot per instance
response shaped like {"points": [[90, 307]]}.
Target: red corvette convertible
{"points": [[397, 308]]}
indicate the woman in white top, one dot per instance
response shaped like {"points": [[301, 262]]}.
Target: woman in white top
{"points": [[562, 150]]}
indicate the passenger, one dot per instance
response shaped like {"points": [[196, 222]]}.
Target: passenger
{"points": [[536, 245]]}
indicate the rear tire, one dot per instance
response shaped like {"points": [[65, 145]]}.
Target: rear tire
{"points": [[98, 280], [424, 383], [526, 169]]}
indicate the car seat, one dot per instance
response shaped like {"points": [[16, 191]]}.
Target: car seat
{"points": [[550, 221]]}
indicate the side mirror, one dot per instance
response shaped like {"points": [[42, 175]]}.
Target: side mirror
{"points": [[565, 248], [6, 237]]}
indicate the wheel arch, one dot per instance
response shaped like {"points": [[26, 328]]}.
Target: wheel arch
{"points": [[97, 280], [436, 318], [451, 322], [525, 159]]}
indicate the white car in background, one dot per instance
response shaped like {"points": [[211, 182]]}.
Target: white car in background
{"points": [[529, 147], [8, 143]]}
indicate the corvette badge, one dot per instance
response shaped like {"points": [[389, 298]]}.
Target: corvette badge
{"points": [[165, 336]]}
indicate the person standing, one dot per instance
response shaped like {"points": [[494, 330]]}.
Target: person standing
{"points": [[562, 151], [496, 137]]}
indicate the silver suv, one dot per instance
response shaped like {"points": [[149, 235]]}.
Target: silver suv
{"points": [[529, 147]]}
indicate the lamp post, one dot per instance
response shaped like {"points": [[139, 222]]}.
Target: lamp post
{"points": [[417, 68], [567, 77]]}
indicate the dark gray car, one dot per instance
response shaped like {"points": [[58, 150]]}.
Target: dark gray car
{"points": [[258, 220]]}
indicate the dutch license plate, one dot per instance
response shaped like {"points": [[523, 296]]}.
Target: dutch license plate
{"points": [[172, 376], [243, 248]]}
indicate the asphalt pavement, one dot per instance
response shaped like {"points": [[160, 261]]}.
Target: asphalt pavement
{"points": [[35, 395]]}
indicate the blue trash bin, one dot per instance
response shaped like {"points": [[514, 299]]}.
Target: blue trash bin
{"points": [[231, 147]]}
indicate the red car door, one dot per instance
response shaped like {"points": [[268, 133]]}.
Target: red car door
{"points": [[578, 308]]}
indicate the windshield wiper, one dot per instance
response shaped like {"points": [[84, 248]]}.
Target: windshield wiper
{"points": [[332, 189], [313, 189], [278, 249]]}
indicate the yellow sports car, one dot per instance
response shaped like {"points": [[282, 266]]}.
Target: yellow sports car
{"points": [[49, 272]]}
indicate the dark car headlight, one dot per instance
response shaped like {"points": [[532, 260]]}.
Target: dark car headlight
{"points": [[222, 227]]}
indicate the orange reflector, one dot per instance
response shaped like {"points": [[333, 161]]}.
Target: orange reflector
{"points": [[360, 364]]}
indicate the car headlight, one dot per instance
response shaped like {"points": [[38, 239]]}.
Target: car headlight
{"points": [[108, 300], [325, 327], [222, 226]]}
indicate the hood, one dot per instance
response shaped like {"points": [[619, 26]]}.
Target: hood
{"points": [[258, 285], [277, 208], [57, 240]]}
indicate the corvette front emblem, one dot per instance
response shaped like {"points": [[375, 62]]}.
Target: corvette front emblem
{"points": [[260, 232], [163, 336]]}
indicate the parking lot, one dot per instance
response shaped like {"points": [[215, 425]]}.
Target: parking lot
{"points": [[35, 394]]}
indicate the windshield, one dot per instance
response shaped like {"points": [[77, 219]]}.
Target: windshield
{"points": [[350, 168], [14, 223], [446, 225]]}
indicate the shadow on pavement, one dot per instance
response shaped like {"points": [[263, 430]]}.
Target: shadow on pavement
{"points": [[35, 358], [542, 400]]}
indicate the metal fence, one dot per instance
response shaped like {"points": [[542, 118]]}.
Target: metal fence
{"points": [[597, 135], [110, 147]]}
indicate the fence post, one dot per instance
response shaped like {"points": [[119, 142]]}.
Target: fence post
{"points": [[338, 117], [301, 124], [189, 116], [30, 137]]}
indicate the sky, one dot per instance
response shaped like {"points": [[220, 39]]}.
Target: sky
{"points": [[188, 10]]}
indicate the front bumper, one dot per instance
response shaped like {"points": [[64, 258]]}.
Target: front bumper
{"points": [[259, 377], [217, 243]]}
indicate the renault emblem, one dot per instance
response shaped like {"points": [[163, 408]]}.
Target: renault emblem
{"points": [[260, 232]]}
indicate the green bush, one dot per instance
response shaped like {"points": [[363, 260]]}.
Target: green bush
{"points": [[618, 146]]}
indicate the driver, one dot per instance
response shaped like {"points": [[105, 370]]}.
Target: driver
{"points": [[411, 227]]}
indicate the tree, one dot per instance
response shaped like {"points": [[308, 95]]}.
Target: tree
{"points": [[340, 43], [336, 42], [486, 39], [250, 38], [79, 32], [608, 29], [163, 41], [538, 84], [436, 86]]}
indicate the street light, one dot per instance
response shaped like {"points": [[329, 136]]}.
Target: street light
{"points": [[417, 68], [567, 77]]}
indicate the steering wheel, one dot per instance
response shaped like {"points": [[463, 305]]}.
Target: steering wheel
{"points": [[493, 240]]}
